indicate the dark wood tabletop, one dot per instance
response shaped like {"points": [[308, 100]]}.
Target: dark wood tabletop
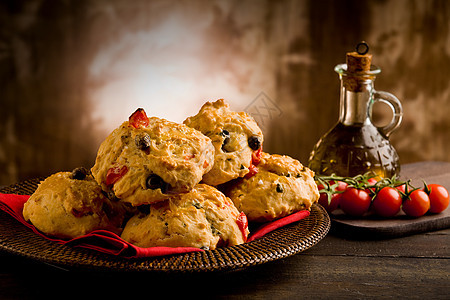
{"points": [[415, 266]]}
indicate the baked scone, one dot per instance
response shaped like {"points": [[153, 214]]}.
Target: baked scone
{"points": [[71, 204], [203, 218], [147, 160], [281, 186], [235, 136]]}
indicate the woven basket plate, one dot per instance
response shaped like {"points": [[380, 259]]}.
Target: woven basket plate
{"points": [[281, 243]]}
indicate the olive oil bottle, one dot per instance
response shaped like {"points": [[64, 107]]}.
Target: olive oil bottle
{"points": [[355, 145]]}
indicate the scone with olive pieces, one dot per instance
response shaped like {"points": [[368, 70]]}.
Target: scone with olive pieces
{"points": [[203, 218], [236, 137], [281, 186], [72, 204], [147, 160]]}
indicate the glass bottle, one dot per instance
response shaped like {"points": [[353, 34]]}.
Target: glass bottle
{"points": [[355, 145]]}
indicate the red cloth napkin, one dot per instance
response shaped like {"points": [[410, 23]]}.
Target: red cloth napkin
{"points": [[99, 240], [268, 227], [108, 242]]}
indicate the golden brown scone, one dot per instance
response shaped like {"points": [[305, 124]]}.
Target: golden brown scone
{"points": [[148, 160], [203, 218], [282, 186], [235, 136], [66, 207]]}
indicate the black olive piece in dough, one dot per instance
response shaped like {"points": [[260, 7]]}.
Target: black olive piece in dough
{"points": [[254, 142], [279, 188], [155, 182], [80, 173], [226, 135], [143, 142]]}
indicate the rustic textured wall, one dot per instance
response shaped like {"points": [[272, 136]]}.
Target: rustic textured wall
{"points": [[71, 71]]}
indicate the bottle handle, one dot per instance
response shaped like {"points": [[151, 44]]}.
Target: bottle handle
{"points": [[396, 108]]}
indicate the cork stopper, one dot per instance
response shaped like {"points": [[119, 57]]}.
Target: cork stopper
{"points": [[359, 60]]}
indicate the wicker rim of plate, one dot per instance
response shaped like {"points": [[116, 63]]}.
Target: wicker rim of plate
{"points": [[281, 243]]}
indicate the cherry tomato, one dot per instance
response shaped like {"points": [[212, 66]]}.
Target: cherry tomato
{"points": [[342, 186], [439, 198], [371, 181], [355, 202], [387, 202], [333, 204], [417, 204], [139, 118], [401, 188]]}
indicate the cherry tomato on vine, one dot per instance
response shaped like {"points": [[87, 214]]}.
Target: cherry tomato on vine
{"points": [[371, 181], [355, 202], [387, 202], [333, 204], [417, 204], [401, 188], [439, 197]]}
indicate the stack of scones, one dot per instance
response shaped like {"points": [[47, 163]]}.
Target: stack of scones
{"points": [[160, 183]]}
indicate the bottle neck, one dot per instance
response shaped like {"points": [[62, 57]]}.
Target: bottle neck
{"points": [[355, 103]]}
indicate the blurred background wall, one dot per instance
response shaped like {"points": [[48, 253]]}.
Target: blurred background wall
{"points": [[71, 71]]}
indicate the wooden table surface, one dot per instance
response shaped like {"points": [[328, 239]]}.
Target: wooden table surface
{"points": [[415, 266]]}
